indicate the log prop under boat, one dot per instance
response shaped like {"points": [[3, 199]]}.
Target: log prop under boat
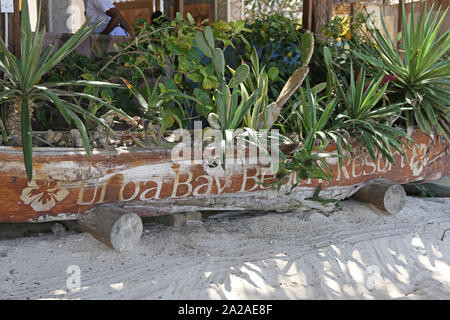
{"points": [[66, 185]]}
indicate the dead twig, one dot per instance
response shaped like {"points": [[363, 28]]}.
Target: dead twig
{"points": [[43, 140], [443, 235]]}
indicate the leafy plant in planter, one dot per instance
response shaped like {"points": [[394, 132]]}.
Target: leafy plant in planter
{"points": [[311, 122], [231, 108], [156, 106], [277, 41], [164, 51], [421, 66], [348, 112], [22, 86], [364, 115], [233, 105], [168, 49], [257, 79], [74, 67], [336, 33]]}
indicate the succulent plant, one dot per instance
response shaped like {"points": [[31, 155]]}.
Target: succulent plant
{"points": [[234, 104], [231, 109]]}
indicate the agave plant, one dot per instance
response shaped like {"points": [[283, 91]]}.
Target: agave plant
{"points": [[294, 118], [22, 86], [249, 104], [156, 104], [364, 115], [348, 110], [312, 124], [258, 78], [421, 66]]}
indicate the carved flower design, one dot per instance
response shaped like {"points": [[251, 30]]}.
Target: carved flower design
{"points": [[419, 159], [42, 195]]}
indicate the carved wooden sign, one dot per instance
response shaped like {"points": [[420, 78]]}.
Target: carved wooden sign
{"points": [[65, 184]]}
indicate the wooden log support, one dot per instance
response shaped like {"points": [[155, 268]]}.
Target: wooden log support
{"points": [[111, 225], [440, 188], [384, 195]]}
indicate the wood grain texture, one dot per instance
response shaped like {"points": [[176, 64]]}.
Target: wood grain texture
{"points": [[115, 227], [199, 11], [66, 184], [386, 196], [134, 10]]}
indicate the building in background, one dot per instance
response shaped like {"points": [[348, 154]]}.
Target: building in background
{"points": [[66, 16]]}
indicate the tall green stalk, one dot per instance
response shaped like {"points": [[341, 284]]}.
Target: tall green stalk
{"points": [[22, 84]]}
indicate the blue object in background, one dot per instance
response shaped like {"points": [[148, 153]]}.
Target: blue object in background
{"points": [[203, 59], [234, 61], [293, 60]]}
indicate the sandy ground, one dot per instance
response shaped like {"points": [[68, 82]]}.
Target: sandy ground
{"points": [[354, 253]]}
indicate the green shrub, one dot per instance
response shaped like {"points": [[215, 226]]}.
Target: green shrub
{"points": [[23, 85], [421, 66]]}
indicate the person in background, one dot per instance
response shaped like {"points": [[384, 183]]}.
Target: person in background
{"points": [[113, 23]]}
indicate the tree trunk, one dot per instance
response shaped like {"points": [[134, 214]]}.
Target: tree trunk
{"points": [[13, 123], [322, 12], [45, 22]]}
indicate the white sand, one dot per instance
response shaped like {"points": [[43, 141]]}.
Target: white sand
{"points": [[355, 253]]}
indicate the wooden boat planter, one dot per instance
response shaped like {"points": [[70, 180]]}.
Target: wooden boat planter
{"points": [[66, 185]]}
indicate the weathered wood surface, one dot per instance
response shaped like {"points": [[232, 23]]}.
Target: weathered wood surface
{"points": [[132, 11], [66, 185], [111, 225], [387, 196]]}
